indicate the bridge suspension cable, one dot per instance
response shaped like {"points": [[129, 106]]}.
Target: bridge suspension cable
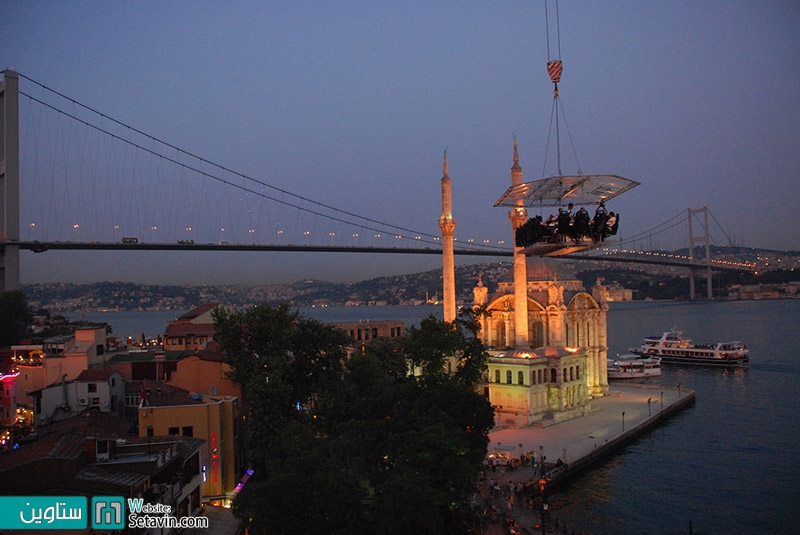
{"points": [[364, 223]]}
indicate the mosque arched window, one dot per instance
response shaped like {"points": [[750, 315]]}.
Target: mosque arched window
{"points": [[553, 375], [497, 376], [520, 378], [508, 377]]}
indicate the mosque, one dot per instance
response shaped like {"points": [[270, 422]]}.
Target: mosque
{"points": [[545, 333]]}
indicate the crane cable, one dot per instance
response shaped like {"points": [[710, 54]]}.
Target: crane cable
{"points": [[554, 69]]}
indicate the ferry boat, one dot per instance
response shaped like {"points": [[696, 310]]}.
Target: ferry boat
{"points": [[633, 367], [674, 348]]}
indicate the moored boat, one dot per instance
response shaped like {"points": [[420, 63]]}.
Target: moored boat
{"points": [[673, 347], [633, 367]]}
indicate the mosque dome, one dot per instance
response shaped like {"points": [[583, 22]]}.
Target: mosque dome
{"points": [[545, 269]]}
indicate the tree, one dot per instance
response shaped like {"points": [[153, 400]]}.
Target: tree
{"points": [[358, 445], [15, 317], [434, 342], [281, 361]]}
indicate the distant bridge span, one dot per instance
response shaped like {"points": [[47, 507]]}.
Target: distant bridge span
{"points": [[696, 265], [40, 247]]}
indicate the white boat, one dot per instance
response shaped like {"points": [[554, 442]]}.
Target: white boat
{"points": [[674, 348], [633, 367]]}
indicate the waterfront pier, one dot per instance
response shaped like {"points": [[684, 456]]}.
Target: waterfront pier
{"points": [[570, 447]]}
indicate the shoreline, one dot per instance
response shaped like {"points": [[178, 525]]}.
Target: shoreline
{"points": [[616, 419]]}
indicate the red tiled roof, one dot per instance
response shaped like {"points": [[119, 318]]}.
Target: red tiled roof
{"points": [[95, 375], [189, 329], [199, 311], [164, 395]]}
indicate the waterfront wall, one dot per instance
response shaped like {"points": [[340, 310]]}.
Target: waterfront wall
{"points": [[564, 473]]}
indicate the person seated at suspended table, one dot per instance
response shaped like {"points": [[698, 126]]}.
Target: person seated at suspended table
{"points": [[580, 225], [598, 224], [612, 223], [564, 224]]}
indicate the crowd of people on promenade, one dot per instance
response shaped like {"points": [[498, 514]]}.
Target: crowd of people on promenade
{"points": [[568, 225]]}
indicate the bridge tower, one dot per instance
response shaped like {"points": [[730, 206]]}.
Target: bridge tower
{"points": [[704, 240], [9, 181]]}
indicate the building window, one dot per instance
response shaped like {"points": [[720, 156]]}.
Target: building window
{"points": [[497, 376], [553, 375], [188, 431], [578, 373], [173, 431], [508, 376], [533, 377], [565, 375], [95, 401], [571, 372], [520, 378], [92, 387], [113, 381]]}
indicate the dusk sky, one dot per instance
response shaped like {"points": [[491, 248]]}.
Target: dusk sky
{"points": [[352, 104]]}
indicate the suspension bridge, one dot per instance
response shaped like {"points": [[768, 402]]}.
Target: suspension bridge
{"points": [[91, 182]]}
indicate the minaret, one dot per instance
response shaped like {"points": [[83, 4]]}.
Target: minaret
{"points": [[518, 216], [447, 225]]}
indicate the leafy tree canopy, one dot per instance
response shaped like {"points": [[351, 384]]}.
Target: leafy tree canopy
{"points": [[356, 445]]}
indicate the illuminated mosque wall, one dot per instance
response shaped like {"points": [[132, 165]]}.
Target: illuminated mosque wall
{"points": [[563, 365]]}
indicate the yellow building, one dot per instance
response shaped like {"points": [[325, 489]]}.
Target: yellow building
{"points": [[206, 371], [168, 410]]}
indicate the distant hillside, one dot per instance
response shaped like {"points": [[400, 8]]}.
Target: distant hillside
{"points": [[653, 282]]}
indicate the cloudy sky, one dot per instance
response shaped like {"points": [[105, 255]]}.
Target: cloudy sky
{"points": [[352, 103]]}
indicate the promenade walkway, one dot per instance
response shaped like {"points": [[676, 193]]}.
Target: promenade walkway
{"points": [[615, 419]]}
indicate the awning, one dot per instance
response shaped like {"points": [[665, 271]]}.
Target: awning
{"points": [[561, 190]]}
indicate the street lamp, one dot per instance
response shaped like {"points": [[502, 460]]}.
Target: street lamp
{"points": [[662, 400], [679, 389], [649, 401], [623, 420]]}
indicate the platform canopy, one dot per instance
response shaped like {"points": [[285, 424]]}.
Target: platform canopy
{"points": [[561, 190]]}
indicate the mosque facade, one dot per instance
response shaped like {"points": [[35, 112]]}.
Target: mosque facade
{"points": [[563, 364], [546, 334]]}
